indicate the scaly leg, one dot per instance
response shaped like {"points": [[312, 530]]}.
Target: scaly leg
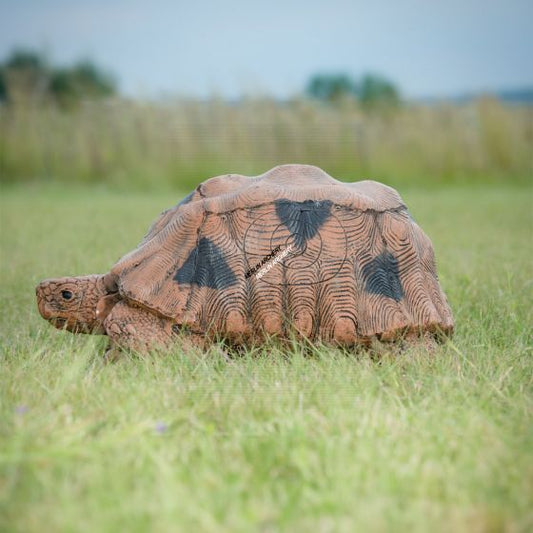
{"points": [[137, 329]]}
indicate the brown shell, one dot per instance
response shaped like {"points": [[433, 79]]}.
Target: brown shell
{"points": [[359, 266]]}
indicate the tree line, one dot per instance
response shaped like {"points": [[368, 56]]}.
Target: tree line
{"points": [[26, 76], [371, 91]]}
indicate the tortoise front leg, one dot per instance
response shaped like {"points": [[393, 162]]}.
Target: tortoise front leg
{"points": [[113, 353], [136, 329]]}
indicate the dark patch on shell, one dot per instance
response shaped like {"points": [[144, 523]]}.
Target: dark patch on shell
{"points": [[206, 266], [382, 277], [303, 219]]}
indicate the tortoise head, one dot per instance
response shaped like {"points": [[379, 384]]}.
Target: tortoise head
{"points": [[71, 303]]}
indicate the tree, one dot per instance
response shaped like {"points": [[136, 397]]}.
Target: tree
{"points": [[331, 87], [377, 91], [3, 90], [372, 91], [26, 76], [22, 59], [84, 80]]}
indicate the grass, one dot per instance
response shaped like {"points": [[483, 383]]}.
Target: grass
{"points": [[274, 441]]}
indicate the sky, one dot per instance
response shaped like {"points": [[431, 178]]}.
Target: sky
{"points": [[429, 48]]}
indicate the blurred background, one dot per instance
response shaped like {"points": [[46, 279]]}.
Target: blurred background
{"points": [[159, 95], [112, 110]]}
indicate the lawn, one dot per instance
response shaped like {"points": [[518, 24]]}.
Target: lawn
{"points": [[270, 441]]}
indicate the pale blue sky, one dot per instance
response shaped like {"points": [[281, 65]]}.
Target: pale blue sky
{"points": [[430, 48]]}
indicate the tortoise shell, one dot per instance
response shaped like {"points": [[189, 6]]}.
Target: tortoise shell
{"points": [[291, 250]]}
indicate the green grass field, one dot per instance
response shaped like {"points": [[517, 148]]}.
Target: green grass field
{"points": [[271, 441]]}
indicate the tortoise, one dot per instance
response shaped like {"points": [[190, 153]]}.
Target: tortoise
{"points": [[290, 252]]}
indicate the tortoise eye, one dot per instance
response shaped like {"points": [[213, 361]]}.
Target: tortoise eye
{"points": [[67, 295]]}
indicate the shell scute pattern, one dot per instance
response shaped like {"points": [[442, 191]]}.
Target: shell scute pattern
{"points": [[358, 265]]}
